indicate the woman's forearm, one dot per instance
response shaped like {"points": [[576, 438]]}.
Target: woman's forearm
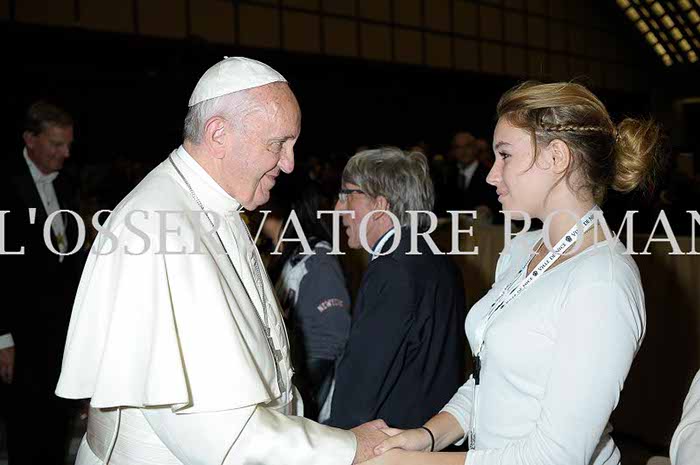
{"points": [[446, 430]]}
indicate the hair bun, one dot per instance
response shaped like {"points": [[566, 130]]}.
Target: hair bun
{"points": [[640, 154]]}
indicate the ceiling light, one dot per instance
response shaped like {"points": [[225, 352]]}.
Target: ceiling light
{"points": [[667, 60], [658, 9], [632, 14], [668, 22], [642, 26], [684, 45], [692, 56], [676, 33]]}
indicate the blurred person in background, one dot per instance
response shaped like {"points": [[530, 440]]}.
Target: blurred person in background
{"points": [[312, 292], [40, 284]]}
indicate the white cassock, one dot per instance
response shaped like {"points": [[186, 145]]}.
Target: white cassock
{"points": [[685, 445], [168, 339]]}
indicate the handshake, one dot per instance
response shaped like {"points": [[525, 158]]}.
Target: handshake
{"points": [[378, 444]]}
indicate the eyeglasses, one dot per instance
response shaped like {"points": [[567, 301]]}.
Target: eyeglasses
{"points": [[343, 193]]}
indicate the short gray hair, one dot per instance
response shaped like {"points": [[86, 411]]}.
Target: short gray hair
{"points": [[234, 107], [402, 178]]}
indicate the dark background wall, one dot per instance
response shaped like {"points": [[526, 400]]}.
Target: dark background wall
{"points": [[125, 69]]}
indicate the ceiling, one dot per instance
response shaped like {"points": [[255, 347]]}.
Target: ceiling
{"points": [[671, 28]]}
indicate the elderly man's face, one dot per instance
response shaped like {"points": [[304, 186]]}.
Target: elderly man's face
{"points": [[362, 204], [264, 145], [50, 148]]}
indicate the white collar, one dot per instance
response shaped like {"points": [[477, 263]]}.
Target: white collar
{"points": [[468, 170], [380, 245], [37, 175], [211, 194]]}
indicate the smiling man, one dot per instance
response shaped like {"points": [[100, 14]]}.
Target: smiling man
{"points": [[176, 335]]}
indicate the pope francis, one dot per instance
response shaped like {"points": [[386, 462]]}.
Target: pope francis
{"points": [[175, 333]]}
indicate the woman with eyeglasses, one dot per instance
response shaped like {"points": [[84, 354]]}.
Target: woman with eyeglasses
{"points": [[554, 338]]}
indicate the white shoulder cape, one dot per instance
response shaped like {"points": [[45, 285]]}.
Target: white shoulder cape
{"points": [[161, 328]]}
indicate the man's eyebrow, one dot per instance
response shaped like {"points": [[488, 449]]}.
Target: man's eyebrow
{"points": [[282, 138]]}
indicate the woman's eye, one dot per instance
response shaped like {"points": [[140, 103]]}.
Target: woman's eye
{"points": [[504, 155], [276, 146]]}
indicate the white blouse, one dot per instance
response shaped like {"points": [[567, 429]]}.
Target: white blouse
{"points": [[554, 360]]}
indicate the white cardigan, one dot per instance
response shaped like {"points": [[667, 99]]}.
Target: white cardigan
{"points": [[555, 359]]}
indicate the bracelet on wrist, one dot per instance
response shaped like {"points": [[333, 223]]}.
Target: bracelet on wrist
{"points": [[432, 438]]}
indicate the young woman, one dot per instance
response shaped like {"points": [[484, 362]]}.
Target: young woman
{"points": [[555, 336]]}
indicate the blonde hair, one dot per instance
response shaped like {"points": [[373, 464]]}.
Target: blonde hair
{"points": [[623, 157]]}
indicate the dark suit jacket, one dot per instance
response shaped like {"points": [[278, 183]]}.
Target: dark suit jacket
{"points": [[37, 301], [450, 196], [404, 359]]}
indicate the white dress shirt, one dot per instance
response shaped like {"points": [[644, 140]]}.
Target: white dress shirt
{"points": [[554, 360], [44, 184], [467, 173]]}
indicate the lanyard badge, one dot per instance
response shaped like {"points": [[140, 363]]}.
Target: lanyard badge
{"points": [[510, 293]]}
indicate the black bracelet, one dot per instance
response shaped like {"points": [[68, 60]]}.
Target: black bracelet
{"points": [[432, 438]]}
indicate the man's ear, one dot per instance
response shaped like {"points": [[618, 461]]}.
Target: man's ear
{"points": [[29, 139], [380, 203], [215, 133], [559, 156]]}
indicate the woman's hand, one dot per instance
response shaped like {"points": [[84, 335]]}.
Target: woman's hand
{"points": [[411, 439]]}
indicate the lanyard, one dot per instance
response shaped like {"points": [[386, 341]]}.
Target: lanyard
{"points": [[512, 291]]}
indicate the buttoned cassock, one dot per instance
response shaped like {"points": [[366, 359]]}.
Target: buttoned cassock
{"points": [[166, 338]]}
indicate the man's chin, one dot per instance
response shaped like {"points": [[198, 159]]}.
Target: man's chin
{"points": [[259, 199]]}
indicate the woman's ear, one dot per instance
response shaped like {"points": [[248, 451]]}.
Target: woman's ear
{"points": [[559, 156]]}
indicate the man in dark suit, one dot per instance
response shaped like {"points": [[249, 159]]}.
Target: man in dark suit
{"points": [[405, 356], [41, 285], [462, 180]]}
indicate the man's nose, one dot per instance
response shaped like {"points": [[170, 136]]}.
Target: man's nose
{"points": [[286, 162], [64, 151]]}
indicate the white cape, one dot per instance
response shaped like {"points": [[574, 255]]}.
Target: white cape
{"points": [[171, 329]]}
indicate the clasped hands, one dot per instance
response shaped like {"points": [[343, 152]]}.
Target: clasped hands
{"points": [[378, 444]]}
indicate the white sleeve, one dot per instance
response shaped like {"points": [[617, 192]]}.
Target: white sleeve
{"points": [[685, 445], [6, 341], [460, 407], [251, 435], [600, 329]]}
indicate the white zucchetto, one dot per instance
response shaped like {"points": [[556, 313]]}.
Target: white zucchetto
{"points": [[232, 75]]}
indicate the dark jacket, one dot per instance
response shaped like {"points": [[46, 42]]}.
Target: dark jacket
{"points": [[39, 289], [451, 196], [405, 356]]}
